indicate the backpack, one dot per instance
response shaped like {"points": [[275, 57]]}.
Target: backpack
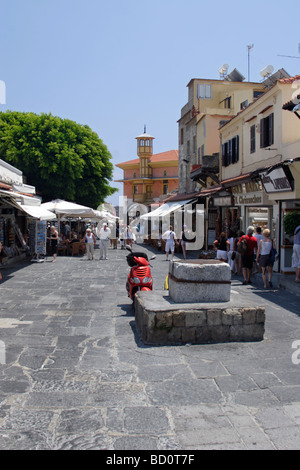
{"points": [[242, 247]]}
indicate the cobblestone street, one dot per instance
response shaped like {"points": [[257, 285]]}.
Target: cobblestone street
{"points": [[76, 375]]}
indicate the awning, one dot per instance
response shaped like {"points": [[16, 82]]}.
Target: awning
{"points": [[34, 209], [37, 212], [21, 198], [166, 209]]}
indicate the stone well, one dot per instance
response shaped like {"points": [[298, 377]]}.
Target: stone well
{"points": [[199, 281], [199, 308]]}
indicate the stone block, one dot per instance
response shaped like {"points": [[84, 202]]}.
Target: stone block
{"points": [[214, 317], [178, 319], [199, 281], [195, 318], [249, 316], [160, 321]]}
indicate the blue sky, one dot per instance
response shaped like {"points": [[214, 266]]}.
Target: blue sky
{"points": [[120, 64]]}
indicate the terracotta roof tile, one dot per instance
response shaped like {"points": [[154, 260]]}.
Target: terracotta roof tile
{"points": [[168, 156], [290, 79]]}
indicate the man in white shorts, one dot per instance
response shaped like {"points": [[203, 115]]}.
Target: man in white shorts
{"points": [[170, 238]]}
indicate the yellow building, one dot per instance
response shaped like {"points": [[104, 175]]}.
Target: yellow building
{"points": [[260, 163], [210, 104]]}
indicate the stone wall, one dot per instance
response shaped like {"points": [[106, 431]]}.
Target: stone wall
{"points": [[171, 324]]}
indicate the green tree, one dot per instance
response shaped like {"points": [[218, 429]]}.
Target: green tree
{"points": [[61, 158]]}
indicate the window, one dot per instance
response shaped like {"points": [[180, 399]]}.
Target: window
{"points": [[230, 151], [252, 138], [200, 154], [244, 104], [134, 175], [227, 103], [204, 91], [267, 131], [165, 186], [194, 144], [257, 94], [188, 150], [135, 189], [149, 192], [165, 172], [181, 137]]}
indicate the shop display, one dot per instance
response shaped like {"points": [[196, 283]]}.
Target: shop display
{"points": [[37, 239]]}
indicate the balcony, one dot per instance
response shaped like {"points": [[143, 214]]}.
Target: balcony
{"points": [[140, 198]]}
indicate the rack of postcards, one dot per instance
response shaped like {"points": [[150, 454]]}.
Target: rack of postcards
{"points": [[37, 239]]}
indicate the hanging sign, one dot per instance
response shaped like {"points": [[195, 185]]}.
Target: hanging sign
{"points": [[276, 181]]}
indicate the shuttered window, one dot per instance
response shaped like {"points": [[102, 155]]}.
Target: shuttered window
{"points": [[267, 131]]}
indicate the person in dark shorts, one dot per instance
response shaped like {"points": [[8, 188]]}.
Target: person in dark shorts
{"points": [[53, 242], [248, 258]]}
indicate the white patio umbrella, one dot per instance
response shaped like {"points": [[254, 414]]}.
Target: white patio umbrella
{"points": [[68, 209]]}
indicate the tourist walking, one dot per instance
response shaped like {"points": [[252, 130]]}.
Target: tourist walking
{"points": [[238, 258], [90, 241], [296, 253], [231, 252], [171, 239], [248, 255], [221, 246], [104, 236], [183, 240], [129, 236], [263, 257], [53, 242], [259, 236]]}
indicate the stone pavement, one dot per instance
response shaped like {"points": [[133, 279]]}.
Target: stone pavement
{"points": [[74, 374]]}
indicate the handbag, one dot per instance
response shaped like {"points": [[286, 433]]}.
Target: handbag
{"points": [[273, 254], [233, 255]]}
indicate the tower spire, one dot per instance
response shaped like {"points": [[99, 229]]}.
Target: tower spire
{"points": [[144, 128]]}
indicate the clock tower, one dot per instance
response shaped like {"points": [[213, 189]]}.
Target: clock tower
{"points": [[145, 151]]}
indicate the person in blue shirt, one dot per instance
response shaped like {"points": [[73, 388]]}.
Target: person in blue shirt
{"points": [[296, 253]]}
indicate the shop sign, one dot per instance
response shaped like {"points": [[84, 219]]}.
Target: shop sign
{"points": [[248, 199], [248, 194], [276, 181], [223, 201]]}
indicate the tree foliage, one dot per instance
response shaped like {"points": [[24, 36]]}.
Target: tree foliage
{"points": [[291, 221], [62, 159]]}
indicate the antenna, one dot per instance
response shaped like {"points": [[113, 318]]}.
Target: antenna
{"points": [[292, 56], [249, 47]]}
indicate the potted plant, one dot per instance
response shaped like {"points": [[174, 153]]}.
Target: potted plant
{"points": [[290, 222]]}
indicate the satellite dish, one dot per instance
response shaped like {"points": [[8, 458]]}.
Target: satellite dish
{"points": [[223, 69], [267, 71]]}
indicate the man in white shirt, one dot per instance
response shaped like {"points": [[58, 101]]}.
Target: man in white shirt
{"points": [[170, 238], [104, 235]]}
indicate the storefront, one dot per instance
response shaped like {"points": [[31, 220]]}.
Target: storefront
{"points": [[282, 185], [22, 226]]}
